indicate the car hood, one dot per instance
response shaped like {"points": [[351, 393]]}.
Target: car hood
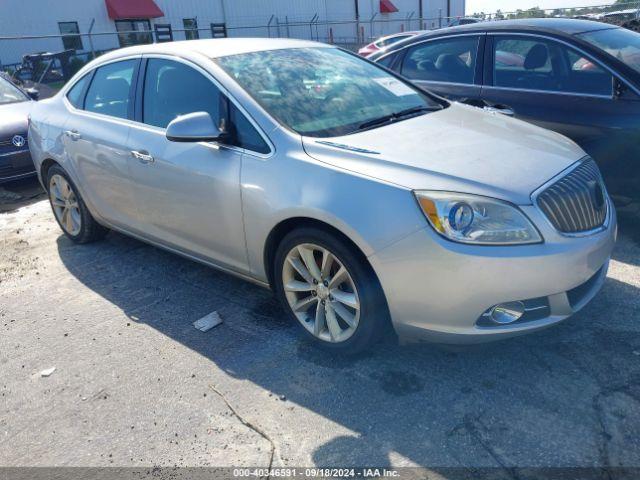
{"points": [[460, 148], [14, 118]]}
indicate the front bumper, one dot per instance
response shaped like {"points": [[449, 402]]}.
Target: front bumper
{"points": [[438, 290], [15, 165]]}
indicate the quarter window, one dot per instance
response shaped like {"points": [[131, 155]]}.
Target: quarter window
{"points": [[244, 133], [75, 94], [108, 93], [388, 60], [452, 60], [172, 89], [70, 38], [545, 65]]}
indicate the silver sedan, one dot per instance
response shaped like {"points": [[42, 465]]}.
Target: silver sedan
{"points": [[361, 200]]}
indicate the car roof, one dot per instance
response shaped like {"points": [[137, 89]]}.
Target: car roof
{"points": [[566, 26], [214, 48]]}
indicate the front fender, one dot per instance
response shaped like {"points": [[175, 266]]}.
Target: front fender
{"points": [[372, 213]]}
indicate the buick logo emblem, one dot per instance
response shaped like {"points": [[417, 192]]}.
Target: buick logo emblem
{"points": [[597, 194], [18, 141]]}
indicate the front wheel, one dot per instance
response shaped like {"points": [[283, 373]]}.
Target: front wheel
{"points": [[329, 290]]}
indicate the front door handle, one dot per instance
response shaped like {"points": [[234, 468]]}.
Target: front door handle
{"points": [[500, 109], [143, 156], [73, 134]]}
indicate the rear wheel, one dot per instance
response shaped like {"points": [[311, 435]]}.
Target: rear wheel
{"points": [[69, 209], [329, 290]]}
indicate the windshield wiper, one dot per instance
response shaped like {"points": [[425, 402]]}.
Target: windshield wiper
{"points": [[392, 117]]}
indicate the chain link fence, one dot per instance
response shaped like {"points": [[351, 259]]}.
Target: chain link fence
{"points": [[48, 61]]}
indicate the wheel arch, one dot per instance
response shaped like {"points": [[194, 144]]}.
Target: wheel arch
{"points": [[45, 166], [281, 229]]}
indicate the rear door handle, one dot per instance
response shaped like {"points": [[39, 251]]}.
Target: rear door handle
{"points": [[143, 156], [73, 134]]}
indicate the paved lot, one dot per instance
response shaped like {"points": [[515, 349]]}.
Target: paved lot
{"points": [[135, 383]]}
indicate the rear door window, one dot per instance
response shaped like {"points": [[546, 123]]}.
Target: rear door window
{"points": [[109, 92], [531, 63], [452, 60]]}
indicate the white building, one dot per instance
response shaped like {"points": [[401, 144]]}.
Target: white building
{"points": [[341, 21]]}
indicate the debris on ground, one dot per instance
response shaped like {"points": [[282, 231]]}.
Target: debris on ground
{"points": [[208, 322], [48, 371]]}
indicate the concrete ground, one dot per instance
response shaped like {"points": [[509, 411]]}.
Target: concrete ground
{"points": [[135, 384]]}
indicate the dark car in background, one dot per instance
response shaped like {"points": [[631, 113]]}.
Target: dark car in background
{"points": [[577, 77], [15, 105], [383, 42]]}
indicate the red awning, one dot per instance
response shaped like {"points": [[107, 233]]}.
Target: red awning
{"points": [[387, 7], [121, 9]]}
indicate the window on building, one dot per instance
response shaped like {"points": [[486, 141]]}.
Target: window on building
{"points": [[108, 93], [70, 35], [134, 32], [191, 28]]}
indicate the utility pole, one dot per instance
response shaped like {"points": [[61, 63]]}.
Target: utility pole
{"points": [[224, 12], [357, 21], [420, 15]]}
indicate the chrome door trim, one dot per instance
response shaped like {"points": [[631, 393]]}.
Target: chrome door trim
{"points": [[431, 39], [93, 68], [531, 90], [225, 92], [99, 116], [457, 84], [574, 47], [443, 37]]}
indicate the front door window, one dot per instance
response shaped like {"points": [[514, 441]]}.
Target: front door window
{"points": [[531, 63]]}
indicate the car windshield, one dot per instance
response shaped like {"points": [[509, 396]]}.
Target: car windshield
{"points": [[325, 92], [10, 93], [621, 43]]}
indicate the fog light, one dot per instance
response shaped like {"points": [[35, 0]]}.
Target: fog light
{"points": [[507, 312]]}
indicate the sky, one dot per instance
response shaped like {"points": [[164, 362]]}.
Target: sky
{"points": [[487, 6]]}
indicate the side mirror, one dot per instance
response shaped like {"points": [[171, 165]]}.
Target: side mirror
{"points": [[622, 92], [33, 93], [194, 127]]}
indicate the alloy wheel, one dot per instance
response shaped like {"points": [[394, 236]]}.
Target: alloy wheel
{"points": [[321, 292], [65, 205]]}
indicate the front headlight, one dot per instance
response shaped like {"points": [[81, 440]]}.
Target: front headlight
{"points": [[474, 219]]}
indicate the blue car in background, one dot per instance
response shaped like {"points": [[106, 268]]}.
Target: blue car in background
{"points": [[579, 78]]}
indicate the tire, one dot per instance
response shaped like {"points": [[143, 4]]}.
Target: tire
{"points": [[78, 224], [340, 293]]}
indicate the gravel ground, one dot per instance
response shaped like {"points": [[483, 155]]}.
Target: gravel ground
{"points": [[135, 384]]}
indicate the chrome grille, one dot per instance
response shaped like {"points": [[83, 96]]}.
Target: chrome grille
{"points": [[578, 201], [8, 141]]}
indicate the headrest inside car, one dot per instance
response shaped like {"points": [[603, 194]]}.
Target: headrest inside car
{"points": [[537, 57]]}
